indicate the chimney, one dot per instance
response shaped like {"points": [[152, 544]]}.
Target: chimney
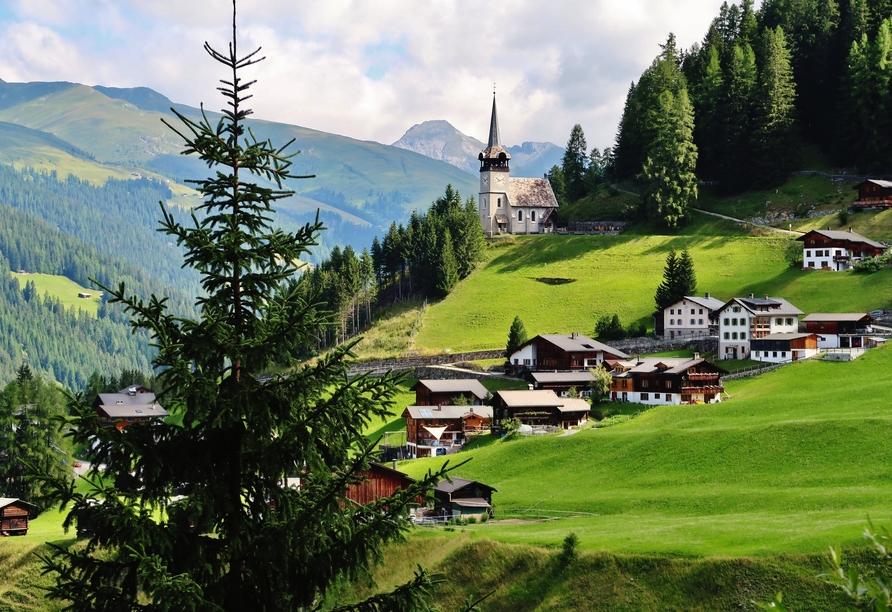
{"points": [[696, 355], [439, 406], [530, 387], [394, 464], [752, 296], [573, 335], [766, 296], [850, 229], [707, 295]]}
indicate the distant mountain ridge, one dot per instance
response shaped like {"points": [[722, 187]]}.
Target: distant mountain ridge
{"points": [[439, 139]]}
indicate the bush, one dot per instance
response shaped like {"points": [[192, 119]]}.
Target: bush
{"points": [[869, 265], [609, 328], [484, 517], [471, 520], [636, 330], [568, 550], [843, 216]]}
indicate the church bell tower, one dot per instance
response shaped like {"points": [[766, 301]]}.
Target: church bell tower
{"points": [[494, 212]]}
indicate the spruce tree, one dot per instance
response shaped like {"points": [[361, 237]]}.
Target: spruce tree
{"points": [[446, 271], [238, 538], [517, 336], [665, 294], [686, 277], [574, 164]]}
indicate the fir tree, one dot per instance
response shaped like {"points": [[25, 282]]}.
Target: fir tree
{"points": [[574, 164], [555, 177], [446, 268], [239, 539], [517, 336], [679, 279]]}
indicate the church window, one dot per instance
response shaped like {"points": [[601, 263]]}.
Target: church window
{"points": [[500, 202], [533, 215], [520, 215]]}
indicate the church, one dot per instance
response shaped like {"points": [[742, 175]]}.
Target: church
{"points": [[510, 205]]}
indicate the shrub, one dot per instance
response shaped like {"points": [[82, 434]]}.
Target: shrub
{"points": [[568, 550], [471, 520], [484, 517], [843, 216]]}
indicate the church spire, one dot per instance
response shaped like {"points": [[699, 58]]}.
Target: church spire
{"points": [[493, 126]]}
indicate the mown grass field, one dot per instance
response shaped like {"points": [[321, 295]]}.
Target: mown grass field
{"points": [[796, 460], [619, 274], [64, 289]]}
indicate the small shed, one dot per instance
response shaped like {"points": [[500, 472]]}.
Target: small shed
{"points": [[447, 391], [380, 481], [463, 497], [14, 515]]}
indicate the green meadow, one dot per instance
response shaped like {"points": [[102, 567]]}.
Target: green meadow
{"points": [[62, 288], [565, 283], [795, 460]]}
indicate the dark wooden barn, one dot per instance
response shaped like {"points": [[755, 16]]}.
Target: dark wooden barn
{"points": [[463, 497], [381, 481], [14, 515]]}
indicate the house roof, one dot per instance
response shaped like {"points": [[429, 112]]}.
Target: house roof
{"points": [[844, 236], [835, 317], [421, 413], [8, 501], [471, 502], [788, 336], [577, 343], [374, 465], [880, 182], [459, 483], [668, 365], [706, 302], [774, 306], [457, 385], [530, 193], [116, 411], [575, 404], [531, 399], [579, 376], [503, 219], [125, 399]]}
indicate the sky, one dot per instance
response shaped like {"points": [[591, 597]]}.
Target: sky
{"points": [[368, 69]]}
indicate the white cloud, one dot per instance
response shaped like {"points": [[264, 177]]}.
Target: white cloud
{"points": [[370, 69]]}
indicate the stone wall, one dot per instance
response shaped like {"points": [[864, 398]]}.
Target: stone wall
{"points": [[640, 346]]}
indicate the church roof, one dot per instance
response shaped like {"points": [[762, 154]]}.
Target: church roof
{"points": [[494, 147], [530, 192]]}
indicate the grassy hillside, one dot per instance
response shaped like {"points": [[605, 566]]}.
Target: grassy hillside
{"points": [[619, 274], [797, 459], [62, 288]]}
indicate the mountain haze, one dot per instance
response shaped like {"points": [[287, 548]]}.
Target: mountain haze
{"points": [[439, 139]]}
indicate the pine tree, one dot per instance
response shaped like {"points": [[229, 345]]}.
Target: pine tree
{"points": [[555, 177], [574, 165], [733, 126], [446, 268], [670, 180], [686, 283], [239, 539], [517, 336], [679, 279], [774, 147]]}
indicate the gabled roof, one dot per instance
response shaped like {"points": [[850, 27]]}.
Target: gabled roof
{"points": [[879, 182], [125, 399], [833, 317], [843, 236], [706, 302], [774, 306], [133, 411], [575, 404], [787, 336], [578, 376], [458, 385], [541, 398], [459, 483], [576, 343], [8, 501], [421, 413], [668, 365], [530, 193]]}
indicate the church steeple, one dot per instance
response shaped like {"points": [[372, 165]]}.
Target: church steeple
{"points": [[494, 157]]}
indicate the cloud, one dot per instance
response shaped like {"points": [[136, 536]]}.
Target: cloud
{"points": [[369, 69]]}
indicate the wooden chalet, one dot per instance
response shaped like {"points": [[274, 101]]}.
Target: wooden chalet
{"points": [[463, 497], [873, 194], [128, 406], [14, 515], [380, 481], [538, 407], [441, 430], [447, 391], [836, 250], [565, 352], [667, 380], [841, 330], [782, 348], [562, 382]]}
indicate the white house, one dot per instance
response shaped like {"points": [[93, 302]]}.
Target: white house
{"points": [[666, 381], [841, 329], [742, 320], [511, 205], [784, 347], [689, 316], [836, 250]]}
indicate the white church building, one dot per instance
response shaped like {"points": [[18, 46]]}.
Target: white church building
{"points": [[510, 205]]}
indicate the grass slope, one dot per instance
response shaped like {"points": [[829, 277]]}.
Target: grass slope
{"points": [[619, 274], [62, 288], [796, 460]]}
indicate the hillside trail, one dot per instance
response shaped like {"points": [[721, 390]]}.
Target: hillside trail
{"points": [[720, 216]]}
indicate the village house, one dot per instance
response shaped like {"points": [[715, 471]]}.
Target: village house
{"points": [[441, 430], [538, 407], [836, 250], [784, 347], [688, 317], [512, 205], [666, 380], [132, 405], [564, 352], [463, 497], [448, 391], [14, 515], [841, 330], [562, 382], [873, 194], [742, 320], [380, 481]]}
